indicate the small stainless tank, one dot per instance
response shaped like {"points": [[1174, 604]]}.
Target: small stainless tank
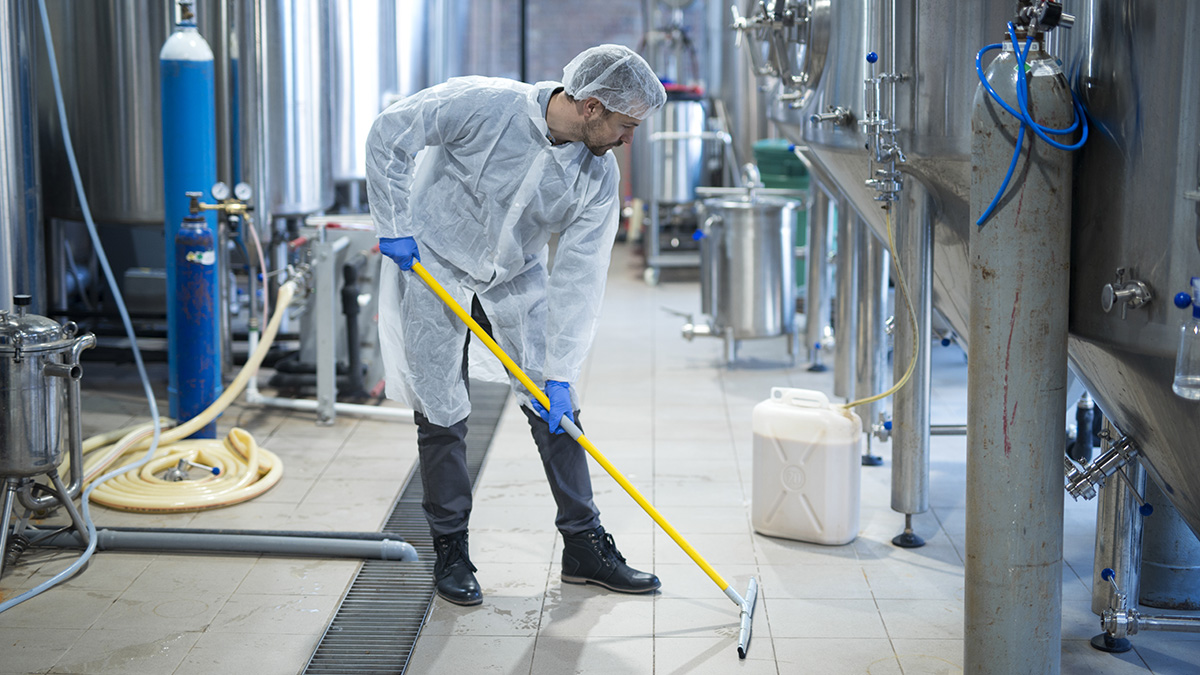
{"points": [[678, 160], [748, 282], [38, 366]]}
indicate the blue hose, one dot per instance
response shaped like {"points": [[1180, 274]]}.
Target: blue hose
{"points": [[1022, 113], [137, 354]]}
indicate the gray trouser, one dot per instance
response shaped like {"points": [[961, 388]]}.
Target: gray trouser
{"points": [[447, 486]]}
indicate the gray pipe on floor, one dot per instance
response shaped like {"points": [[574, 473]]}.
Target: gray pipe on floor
{"points": [[317, 547]]}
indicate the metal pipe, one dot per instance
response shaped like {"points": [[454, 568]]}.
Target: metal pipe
{"points": [[253, 397], [910, 406], [816, 301], [6, 503], [1172, 624], [326, 352], [947, 430], [68, 503], [1118, 534], [1017, 382], [870, 344], [33, 532], [109, 540], [844, 308]]}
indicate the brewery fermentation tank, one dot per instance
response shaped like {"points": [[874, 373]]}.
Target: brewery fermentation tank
{"points": [[21, 250], [1137, 220], [285, 117], [931, 45], [378, 57], [107, 54], [1135, 196], [748, 284]]}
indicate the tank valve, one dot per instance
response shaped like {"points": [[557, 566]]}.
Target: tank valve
{"points": [[882, 429], [841, 117], [1132, 293], [1045, 15]]}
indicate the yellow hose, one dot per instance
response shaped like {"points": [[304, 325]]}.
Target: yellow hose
{"points": [[246, 470], [912, 317]]}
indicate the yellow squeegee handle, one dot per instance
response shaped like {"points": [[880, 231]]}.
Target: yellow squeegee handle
{"points": [[571, 428]]}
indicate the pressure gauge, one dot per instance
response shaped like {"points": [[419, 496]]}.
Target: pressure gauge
{"points": [[243, 192], [220, 191]]}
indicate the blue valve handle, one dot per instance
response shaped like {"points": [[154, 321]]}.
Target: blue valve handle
{"points": [[872, 57], [887, 425], [214, 470], [1107, 574], [1146, 509], [1183, 300]]}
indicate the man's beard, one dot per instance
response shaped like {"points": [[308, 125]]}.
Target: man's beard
{"points": [[594, 145]]}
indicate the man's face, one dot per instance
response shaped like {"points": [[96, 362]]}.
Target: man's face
{"points": [[606, 130]]}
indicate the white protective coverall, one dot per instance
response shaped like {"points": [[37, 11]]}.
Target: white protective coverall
{"points": [[482, 202]]}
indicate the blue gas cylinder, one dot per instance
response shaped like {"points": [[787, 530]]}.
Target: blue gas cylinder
{"points": [[194, 326], [189, 165]]}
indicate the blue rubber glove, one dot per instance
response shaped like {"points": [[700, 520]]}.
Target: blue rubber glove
{"points": [[559, 394], [403, 250]]}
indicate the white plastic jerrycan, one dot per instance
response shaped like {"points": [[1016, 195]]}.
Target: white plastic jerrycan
{"points": [[807, 461]]}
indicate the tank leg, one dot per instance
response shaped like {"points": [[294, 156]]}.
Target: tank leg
{"points": [[10, 490], [730, 347]]}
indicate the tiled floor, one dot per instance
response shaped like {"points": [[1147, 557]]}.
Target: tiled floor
{"points": [[677, 423]]}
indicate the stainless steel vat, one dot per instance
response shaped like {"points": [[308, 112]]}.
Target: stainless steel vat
{"points": [[1136, 206], [285, 111], [35, 367], [21, 252], [378, 56], [747, 250], [678, 155]]}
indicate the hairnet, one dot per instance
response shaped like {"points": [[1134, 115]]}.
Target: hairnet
{"points": [[618, 77]]}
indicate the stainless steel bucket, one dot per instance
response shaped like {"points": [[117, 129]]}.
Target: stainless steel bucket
{"points": [[748, 283]]}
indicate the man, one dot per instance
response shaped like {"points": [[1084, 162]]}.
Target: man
{"points": [[505, 165]]}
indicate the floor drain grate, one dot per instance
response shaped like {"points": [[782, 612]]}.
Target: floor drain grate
{"points": [[377, 624]]}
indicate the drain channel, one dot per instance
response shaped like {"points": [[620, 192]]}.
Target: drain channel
{"points": [[377, 624]]}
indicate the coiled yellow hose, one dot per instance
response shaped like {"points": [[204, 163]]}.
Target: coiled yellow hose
{"points": [[246, 469]]}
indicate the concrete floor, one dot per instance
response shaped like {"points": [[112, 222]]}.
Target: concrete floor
{"points": [[677, 422]]}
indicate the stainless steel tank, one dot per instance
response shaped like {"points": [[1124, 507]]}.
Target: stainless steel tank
{"points": [[747, 261], [21, 252], [378, 56], [107, 53], [1136, 209], [284, 105], [677, 156], [38, 358], [934, 53]]}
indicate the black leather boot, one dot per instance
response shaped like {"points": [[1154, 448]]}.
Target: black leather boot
{"points": [[591, 557], [453, 571]]}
